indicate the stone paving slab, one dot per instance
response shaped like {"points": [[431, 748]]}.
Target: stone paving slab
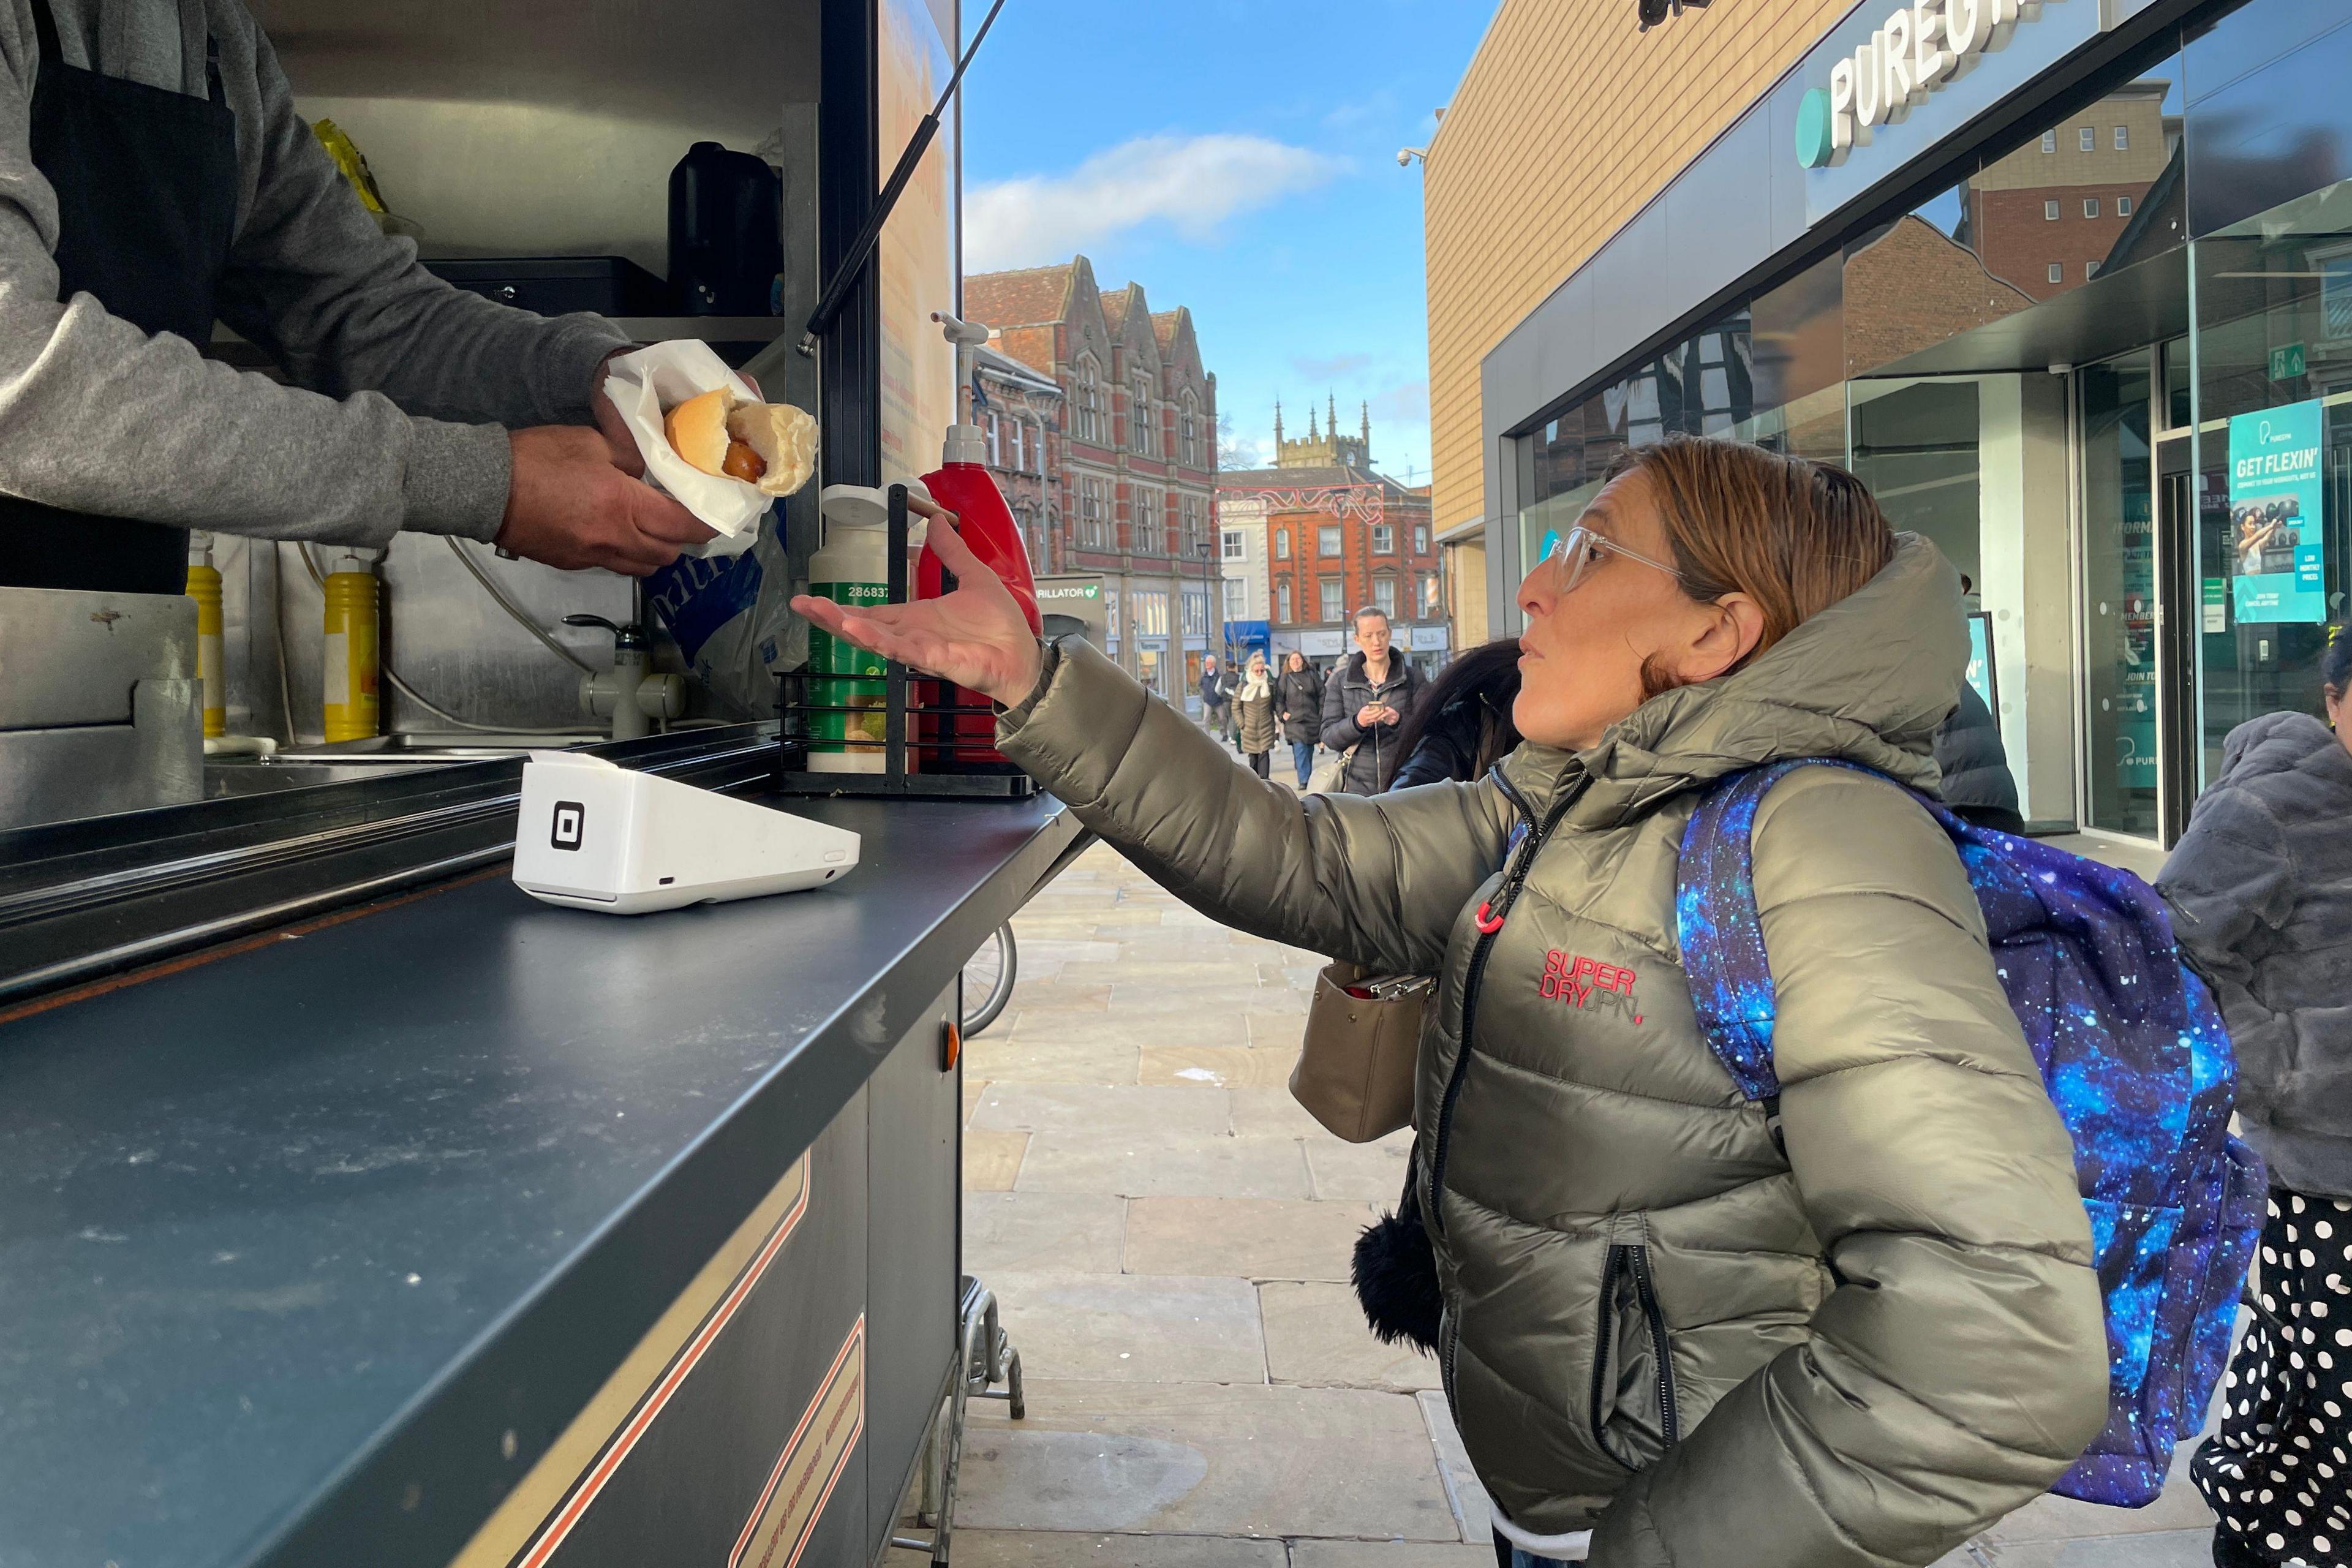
{"points": [[1143, 1328], [1208, 1028], [1387, 1554], [1472, 1516], [1315, 1335], [1110, 1112], [1051, 1056], [2169, 1549], [1374, 1171], [1217, 1066], [1041, 1549], [1141, 997], [1166, 1163], [1029, 1232], [1054, 999], [1251, 1237], [991, 1161], [1206, 1459]]}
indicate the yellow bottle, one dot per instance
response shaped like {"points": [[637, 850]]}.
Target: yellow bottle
{"points": [[204, 588], [350, 677]]}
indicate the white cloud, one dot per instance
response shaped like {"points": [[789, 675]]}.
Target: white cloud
{"points": [[1192, 183]]}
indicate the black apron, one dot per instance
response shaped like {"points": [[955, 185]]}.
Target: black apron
{"points": [[146, 181]]}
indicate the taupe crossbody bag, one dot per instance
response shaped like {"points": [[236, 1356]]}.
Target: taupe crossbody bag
{"points": [[1363, 1038]]}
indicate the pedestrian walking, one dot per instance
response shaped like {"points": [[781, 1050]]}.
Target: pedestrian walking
{"points": [[1461, 724], [1364, 705], [1213, 694], [2261, 890], [1253, 721], [1299, 694], [1847, 1328], [1977, 784]]}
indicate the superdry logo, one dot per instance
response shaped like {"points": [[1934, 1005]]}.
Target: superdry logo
{"points": [[1581, 982]]}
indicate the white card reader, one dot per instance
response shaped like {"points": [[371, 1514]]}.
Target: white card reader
{"points": [[595, 835]]}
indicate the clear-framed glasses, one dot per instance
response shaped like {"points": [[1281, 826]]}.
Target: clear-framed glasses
{"points": [[1573, 555]]}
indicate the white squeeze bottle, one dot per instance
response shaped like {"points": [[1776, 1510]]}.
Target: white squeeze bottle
{"points": [[852, 568]]}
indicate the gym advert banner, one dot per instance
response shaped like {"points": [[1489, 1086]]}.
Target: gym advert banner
{"points": [[2276, 514]]}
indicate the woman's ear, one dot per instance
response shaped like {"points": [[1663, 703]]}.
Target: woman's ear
{"points": [[1735, 625]]}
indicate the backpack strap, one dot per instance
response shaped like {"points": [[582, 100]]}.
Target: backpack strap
{"points": [[1722, 935]]}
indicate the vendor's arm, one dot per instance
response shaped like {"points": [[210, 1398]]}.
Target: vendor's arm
{"points": [[100, 417], [346, 308]]}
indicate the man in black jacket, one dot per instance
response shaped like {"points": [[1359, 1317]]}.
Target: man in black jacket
{"points": [[1214, 691], [1365, 703]]}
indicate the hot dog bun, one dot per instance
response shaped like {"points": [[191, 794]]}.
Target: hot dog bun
{"points": [[784, 438], [697, 428], [781, 439]]}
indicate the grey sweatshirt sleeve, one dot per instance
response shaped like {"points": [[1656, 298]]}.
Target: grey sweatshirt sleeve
{"points": [[97, 416]]}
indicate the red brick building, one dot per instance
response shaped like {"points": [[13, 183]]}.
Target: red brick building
{"points": [[1130, 456], [2046, 217], [1339, 537]]}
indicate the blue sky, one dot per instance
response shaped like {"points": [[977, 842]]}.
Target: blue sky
{"points": [[1239, 159]]}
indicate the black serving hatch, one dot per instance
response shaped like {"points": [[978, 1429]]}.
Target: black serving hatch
{"points": [[83, 900]]}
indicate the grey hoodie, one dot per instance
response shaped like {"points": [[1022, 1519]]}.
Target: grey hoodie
{"points": [[2261, 890], [401, 383]]}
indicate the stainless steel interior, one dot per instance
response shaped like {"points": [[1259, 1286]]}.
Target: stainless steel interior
{"points": [[100, 704]]}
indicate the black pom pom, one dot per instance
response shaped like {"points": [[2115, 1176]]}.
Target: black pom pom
{"points": [[1396, 1279]]}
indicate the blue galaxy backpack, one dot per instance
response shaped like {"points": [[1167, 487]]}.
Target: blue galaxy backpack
{"points": [[2134, 1056]]}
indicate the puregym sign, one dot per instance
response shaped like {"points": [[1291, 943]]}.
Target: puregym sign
{"points": [[1913, 54]]}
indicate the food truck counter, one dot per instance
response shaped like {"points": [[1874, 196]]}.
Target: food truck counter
{"points": [[460, 1227]]}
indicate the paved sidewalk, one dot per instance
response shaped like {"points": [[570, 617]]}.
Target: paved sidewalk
{"points": [[1170, 1235]]}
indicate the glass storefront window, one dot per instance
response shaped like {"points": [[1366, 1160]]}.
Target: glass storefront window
{"points": [[2274, 368], [1915, 445], [2118, 585]]}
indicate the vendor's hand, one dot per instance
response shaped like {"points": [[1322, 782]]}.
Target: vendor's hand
{"points": [[569, 506], [977, 636], [619, 439]]}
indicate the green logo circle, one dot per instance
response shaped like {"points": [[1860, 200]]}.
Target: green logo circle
{"points": [[1813, 148]]}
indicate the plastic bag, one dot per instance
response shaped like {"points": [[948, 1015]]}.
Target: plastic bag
{"points": [[663, 375], [732, 618]]}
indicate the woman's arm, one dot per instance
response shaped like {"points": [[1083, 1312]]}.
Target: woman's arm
{"points": [[1959, 1366], [1380, 883]]}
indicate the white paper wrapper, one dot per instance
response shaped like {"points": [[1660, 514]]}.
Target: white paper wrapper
{"points": [[663, 375]]}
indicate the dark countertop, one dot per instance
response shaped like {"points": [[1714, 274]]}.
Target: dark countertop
{"points": [[278, 1230]]}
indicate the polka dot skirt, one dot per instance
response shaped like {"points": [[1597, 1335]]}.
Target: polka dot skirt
{"points": [[2280, 1470]]}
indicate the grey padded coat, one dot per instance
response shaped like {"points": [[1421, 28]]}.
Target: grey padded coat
{"points": [[1659, 1326], [2261, 890]]}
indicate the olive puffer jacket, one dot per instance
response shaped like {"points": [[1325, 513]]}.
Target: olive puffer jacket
{"points": [[1658, 1326]]}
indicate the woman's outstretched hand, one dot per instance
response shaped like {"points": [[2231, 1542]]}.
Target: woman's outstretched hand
{"points": [[977, 636]]}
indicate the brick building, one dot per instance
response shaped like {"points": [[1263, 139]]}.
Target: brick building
{"points": [[1129, 477], [2047, 215], [1020, 412], [1338, 536]]}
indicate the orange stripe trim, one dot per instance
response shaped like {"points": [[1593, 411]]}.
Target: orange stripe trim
{"points": [[659, 1395]]}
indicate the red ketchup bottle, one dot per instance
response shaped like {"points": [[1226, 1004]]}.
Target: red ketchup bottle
{"points": [[963, 485]]}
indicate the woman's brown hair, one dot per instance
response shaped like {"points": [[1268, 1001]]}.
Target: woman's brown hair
{"points": [[1792, 535]]}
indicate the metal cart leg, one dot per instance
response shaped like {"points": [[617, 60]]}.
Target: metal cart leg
{"points": [[988, 1359]]}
